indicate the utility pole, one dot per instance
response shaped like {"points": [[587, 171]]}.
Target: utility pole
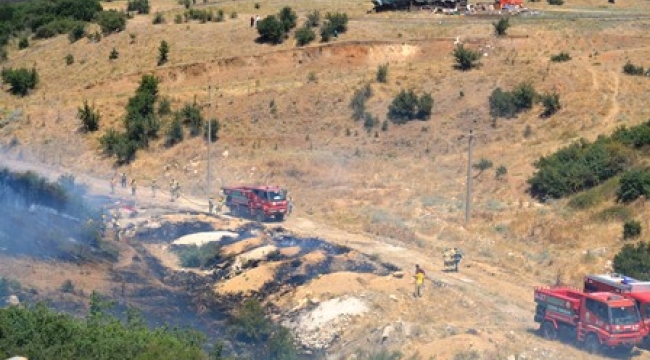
{"points": [[209, 137], [468, 196]]}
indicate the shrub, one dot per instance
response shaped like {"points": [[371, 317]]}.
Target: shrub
{"points": [[482, 165], [313, 19], [233, 15], [338, 22], [305, 35], [633, 184], [89, 117], [631, 69], [406, 106], [509, 104], [288, 18], [178, 19], [382, 73], [220, 16], [213, 129], [139, 6], [637, 136], [561, 57], [631, 229], [203, 256], [69, 59], [271, 30], [551, 103], [501, 172], [77, 33], [466, 59], [556, 2], [358, 102], [3, 54], [163, 52], [23, 43], [524, 96], [501, 26], [158, 18], [634, 261], [114, 54], [67, 286], [164, 107], [250, 324], [111, 21], [174, 133], [21, 80], [118, 145], [369, 121]]}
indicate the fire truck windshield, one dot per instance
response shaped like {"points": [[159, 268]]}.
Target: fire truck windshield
{"points": [[275, 195], [624, 315]]}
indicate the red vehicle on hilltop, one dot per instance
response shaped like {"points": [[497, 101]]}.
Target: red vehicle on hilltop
{"points": [[594, 320], [637, 290], [259, 202]]}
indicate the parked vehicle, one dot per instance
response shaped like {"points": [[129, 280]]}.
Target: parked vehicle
{"points": [[593, 320], [637, 290], [258, 202]]}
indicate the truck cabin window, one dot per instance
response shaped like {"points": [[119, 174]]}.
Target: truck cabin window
{"points": [[275, 195], [624, 315]]}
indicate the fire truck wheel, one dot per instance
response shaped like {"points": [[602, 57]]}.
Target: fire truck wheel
{"points": [[592, 345], [549, 331]]}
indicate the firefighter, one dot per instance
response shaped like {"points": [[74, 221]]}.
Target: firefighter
{"points": [[116, 229], [419, 280], [290, 206], [124, 180], [447, 259], [133, 186], [102, 226], [457, 256], [154, 186], [113, 184], [210, 205], [171, 189]]}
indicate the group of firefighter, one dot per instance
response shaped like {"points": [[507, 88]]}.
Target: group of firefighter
{"points": [[114, 223], [174, 186]]}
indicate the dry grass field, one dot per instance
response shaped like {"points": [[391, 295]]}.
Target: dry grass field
{"points": [[402, 186]]}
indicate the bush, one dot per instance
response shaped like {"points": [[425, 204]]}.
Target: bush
{"points": [[510, 104], [111, 21], [382, 73], [634, 261], [21, 80], [163, 52], [633, 184], [631, 229], [631, 69], [250, 324], [178, 19], [220, 16], [501, 172], [174, 133], [139, 6], [637, 136], [213, 129], [524, 96], [369, 121], [271, 30], [561, 57], [89, 117], [114, 54], [288, 18], [164, 107], [233, 15], [118, 145], [305, 35], [501, 26], [158, 18], [466, 59], [555, 2], [67, 286], [23, 43], [204, 256], [77, 33], [69, 59], [551, 103], [313, 19], [358, 102], [406, 106], [3, 54], [483, 165], [338, 22]]}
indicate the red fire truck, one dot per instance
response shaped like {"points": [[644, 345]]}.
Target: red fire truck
{"points": [[259, 202], [594, 320], [629, 287]]}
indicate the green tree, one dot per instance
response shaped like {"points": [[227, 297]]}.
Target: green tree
{"points": [[502, 104], [271, 30], [501, 172], [501, 26], [77, 33], [140, 6], [23, 43], [561, 57], [305, 35], [313, 19], [191, 116], [111, 21], [406, 106], [524, 96], [633, 260], [163, 52], [358, 101], [466, 59], [174, 133], [288, 18], [158, 18], [482, 165], [89, 117], [249, 323], [631, 69], [69, 59]]}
